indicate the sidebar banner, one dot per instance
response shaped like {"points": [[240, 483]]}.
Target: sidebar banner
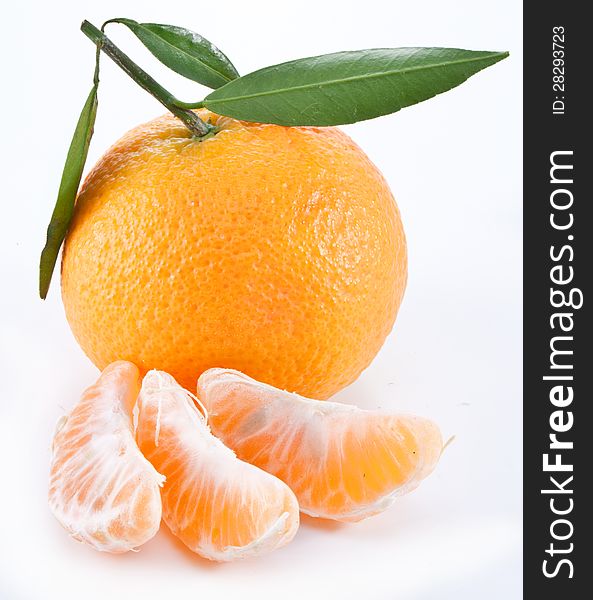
{"points": [[558, 268]]}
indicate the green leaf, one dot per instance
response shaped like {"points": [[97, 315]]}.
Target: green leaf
{"points": [[64, 208], [184, 52], [346, 87]]}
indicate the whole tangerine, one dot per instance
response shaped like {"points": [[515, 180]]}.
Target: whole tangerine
{"points": [[276, 251]]}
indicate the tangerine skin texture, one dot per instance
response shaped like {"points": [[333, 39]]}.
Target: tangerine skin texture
{"points": [[276, 251]]}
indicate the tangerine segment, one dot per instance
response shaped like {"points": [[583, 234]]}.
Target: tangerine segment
{"points": [[219, 506], [342, 462], [102, 490]]}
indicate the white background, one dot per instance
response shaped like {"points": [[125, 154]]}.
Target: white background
{"points": [[454, 166]]}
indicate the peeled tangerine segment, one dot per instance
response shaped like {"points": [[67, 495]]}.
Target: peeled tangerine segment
{"points": [[342, 462], [219, 506], [102, 490]]}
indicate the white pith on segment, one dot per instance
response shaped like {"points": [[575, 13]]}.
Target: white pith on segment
{"points": [[325, 451], [102, 489], [219, 506]]}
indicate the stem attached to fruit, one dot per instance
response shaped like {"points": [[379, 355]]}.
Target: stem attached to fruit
{"points": [[190, 119]]}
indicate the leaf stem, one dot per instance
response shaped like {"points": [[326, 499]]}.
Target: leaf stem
{"points": [[182, 104], [196, 126], [97, 61]]}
